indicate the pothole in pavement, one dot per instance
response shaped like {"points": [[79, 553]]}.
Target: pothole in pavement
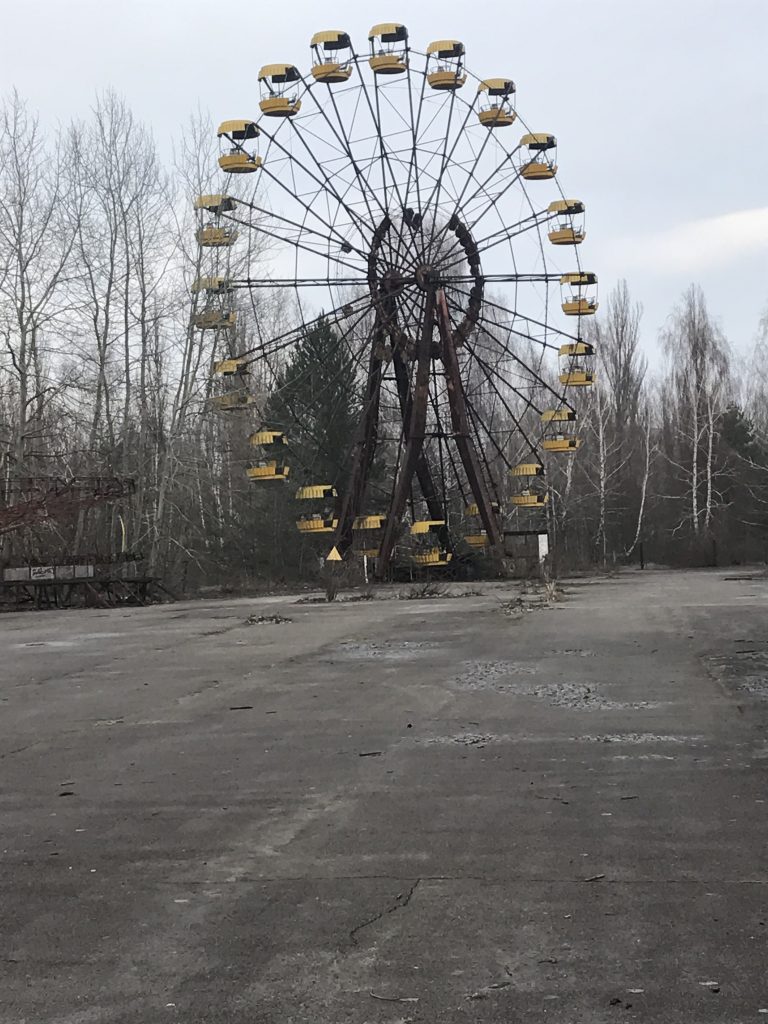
{"points": [[491, 675], [499, 677], [743, 671], [466, 739], [388, 650], [579, 695], [637, 738], [574, 652]]}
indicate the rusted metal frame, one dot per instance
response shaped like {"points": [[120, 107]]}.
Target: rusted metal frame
{"points": [[461, 428], [365, 448], [416, 425], [386, 306], [423, 472]]}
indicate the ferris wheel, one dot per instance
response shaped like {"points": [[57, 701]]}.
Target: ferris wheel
{"points": [[406, 203]]}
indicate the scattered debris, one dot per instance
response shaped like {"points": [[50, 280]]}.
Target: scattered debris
{"points": [[242, 707], [266, 620], [483, 993], [422, 591], [371, 753], [516, 607], [394, 999], [365, 595], [594, 878]]}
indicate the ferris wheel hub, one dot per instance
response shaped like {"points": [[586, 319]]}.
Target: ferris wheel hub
{"points": [[427, 278]]}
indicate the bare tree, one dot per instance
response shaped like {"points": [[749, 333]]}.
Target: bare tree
{"points": [[37, 232], [699, 384]]}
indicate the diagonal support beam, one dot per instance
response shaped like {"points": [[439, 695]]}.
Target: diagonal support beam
{"points": [[460, 422], [365, 448], [423, 472], [414, 433]]}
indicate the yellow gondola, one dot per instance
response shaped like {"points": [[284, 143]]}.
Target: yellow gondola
{"points": [[539, 163], [473, 510], [316, 524], [422, 526], [331, 57], [561, 443], [432, 557], [232, 401], [265, 437], [476, 540], [532, 494], [568, 228], [529, 499], [271, 470], [279, 90], [369, 531], [561, 415], [215, 320], [527, 469], [215, 204], [445, 64], [273, 465], [238, 160], [315, 492], [579, 293], [577, 378], [320, 517], [362, 523], [427, 551], [229, 367], [214, 285], [212, 237], [496, 98], [577, 348], [389, 49]]}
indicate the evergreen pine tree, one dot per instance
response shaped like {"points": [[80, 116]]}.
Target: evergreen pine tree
{"points": [[316, 403]]}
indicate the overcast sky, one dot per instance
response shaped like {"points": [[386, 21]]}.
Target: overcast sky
{"points": [[660, 108]]}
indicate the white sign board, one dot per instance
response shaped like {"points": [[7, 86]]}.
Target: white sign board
{"points": [[543, 546], [41, 572]]}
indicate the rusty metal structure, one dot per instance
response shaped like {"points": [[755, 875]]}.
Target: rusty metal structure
{"points": [[403, 206], [74, 580], [37, 499]]}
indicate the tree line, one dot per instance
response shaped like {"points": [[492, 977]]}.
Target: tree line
{"points": [[102, 374]]}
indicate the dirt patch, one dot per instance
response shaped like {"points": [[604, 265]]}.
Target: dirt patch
{"points": [[514, 679], [743, 672]]}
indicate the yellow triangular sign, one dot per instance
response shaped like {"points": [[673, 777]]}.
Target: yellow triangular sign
{"points": [[334, 556]]}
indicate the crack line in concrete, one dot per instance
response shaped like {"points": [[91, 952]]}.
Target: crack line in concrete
{"points": [[400, 901]]}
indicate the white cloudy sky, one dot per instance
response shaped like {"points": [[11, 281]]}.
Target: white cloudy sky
{"points": [[660, 108]]}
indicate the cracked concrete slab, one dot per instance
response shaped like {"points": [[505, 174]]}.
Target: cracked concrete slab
{"points": [[425, 811]]}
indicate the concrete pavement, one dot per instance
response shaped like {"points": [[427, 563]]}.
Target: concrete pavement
{"points": [[389, 811]]}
